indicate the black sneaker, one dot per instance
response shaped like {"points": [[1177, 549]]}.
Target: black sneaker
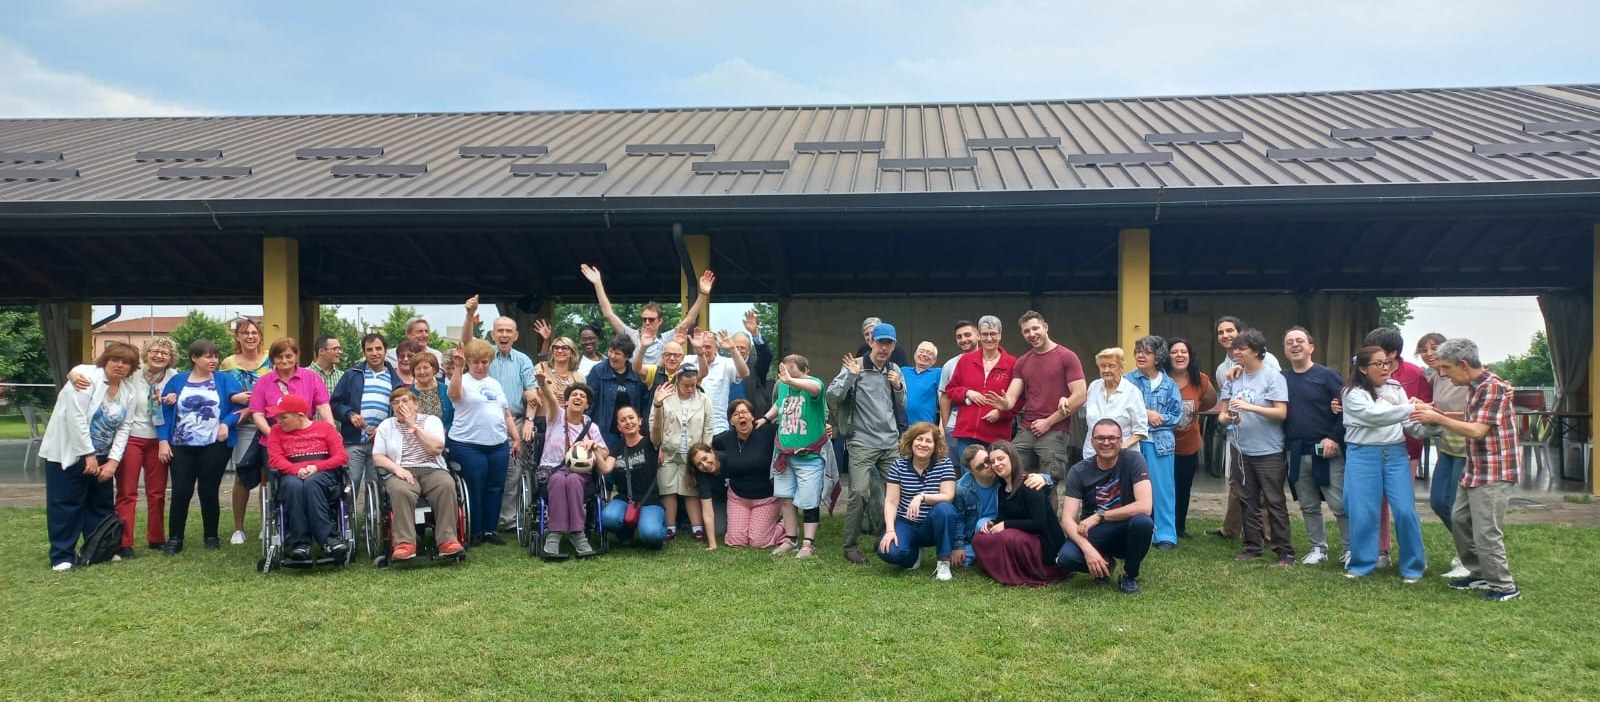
{"points": [[494, 538], [1166, 546], [300, 553], [172, 547], [156, 545], [1128, 586], [1469, 583], [336, 548], [125, 554], [1493, 595], [475, 541], [213, 543]]}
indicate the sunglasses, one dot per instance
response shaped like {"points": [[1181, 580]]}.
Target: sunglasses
{"points": [[561, 347]]}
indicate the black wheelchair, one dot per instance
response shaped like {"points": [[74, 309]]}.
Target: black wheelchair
{"points": [[377, 519], [533, 518], [274, 534]]}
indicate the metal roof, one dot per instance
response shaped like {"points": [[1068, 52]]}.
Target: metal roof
{"points": [[1054, 149]]}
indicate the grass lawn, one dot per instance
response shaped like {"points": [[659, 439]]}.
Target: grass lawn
{"points": [[683, 623], [13, 427]]}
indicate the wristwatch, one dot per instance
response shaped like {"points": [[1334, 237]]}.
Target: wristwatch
{"points": [[1100, 512]]}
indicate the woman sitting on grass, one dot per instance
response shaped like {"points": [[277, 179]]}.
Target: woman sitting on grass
{"points": [[917, 502], [636, 458], [1019, 546], [744, 455]]}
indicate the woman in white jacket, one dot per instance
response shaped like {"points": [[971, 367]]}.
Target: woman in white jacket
{"points": [[84, 441], [680, 420], [1377, 416]]}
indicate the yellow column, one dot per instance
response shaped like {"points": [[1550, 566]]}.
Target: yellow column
{"points": [[310, 328], [80, 334], [1594, 362], [280, 288], [1133, 287], [699, 246]]}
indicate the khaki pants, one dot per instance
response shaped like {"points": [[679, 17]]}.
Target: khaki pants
{"points": [[440, 489], [1475, 526], [864, 511], [1048, 454]]}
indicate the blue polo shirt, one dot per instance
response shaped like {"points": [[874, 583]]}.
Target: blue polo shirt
{"points": [[922, 394], [514, 372]]}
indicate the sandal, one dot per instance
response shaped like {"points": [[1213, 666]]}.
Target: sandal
{"points": [[806, 549], [785, 547]]}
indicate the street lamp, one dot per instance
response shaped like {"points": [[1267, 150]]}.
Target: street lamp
{"points": [[359, 325]]}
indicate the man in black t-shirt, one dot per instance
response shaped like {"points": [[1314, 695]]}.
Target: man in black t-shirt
{"points": [[1106, 511], [1314, 439]]}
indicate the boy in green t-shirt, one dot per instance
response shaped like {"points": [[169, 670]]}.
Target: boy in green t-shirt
{"points": [[801, 411]]}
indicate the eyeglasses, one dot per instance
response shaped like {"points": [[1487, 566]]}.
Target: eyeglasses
{"points": [[561, 347], [156, 353], [649, 320], [335, 349], [669, 354], [1381, 364], [1106, 439]]}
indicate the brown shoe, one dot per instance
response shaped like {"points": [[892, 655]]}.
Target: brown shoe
{"points": [[853, 554]]}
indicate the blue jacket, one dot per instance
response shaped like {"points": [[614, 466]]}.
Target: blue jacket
{"points": [[445, 404], [969, 503], [607, 384], [227, 387], [1160, 395], [346, 399]]}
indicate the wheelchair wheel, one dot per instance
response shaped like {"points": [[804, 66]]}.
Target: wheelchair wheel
{"points": [[347, 518], [524, 519], [373, 532], [463, 507], [271, 536]]}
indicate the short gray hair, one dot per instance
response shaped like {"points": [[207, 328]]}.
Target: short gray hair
{"points": [[988, 321], [412, 323], [1454, 351], [870, 322]]}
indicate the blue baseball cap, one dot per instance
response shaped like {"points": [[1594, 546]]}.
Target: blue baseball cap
{"points": [[884, 330]]}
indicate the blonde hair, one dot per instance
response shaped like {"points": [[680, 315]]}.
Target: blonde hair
{"points": [[1115, 352], [479, 350], [163, 342], [577, 353]]}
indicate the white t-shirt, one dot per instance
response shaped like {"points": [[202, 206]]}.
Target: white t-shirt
{"points": [[944, 382], [716, 381], [585, 365], [480, 413], [1227, 364]]}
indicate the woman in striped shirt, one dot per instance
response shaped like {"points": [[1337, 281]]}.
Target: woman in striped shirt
{"points": [[917, 502]]}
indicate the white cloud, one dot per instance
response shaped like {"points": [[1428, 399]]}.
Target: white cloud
{"points": [[736, 81], [31, 89]]}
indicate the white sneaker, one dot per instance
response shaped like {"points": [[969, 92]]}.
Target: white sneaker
{"points": [[1316, 556], [238, 538], [918, 564], [942, 571], [1344, 559], [62, 566], [1383, 560], [1411, 581], [1456, 570]]}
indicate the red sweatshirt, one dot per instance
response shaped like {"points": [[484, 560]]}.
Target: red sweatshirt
{"points": [[318, 444], [968, 375], [1416, 384]]}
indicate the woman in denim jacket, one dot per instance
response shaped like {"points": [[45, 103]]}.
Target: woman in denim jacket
{"points": [[1164, 405]]}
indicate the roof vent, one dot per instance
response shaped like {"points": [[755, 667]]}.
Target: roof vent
{"points": [[922, 164], [1582, 125], [557, 169], [712, 167], [29, 156], [34, 174], [837, 146], [1045, 142], [1144, 159], [1533, 148], [1194, 138], [671, 149], [503, 151], [179, 155], [202, 172], [338, 152], [1343, 153], [378, 170], [1381, 132]]}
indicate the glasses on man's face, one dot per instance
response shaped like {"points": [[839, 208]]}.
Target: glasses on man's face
{"points": [[669, 354], [1106, 439]]}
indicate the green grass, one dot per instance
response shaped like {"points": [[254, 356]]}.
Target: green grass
{"points": [[12, 427], [683, 623]]}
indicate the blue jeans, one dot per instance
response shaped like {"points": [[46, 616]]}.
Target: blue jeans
{"points": [[1442, 491], [1163, 492], [652, 529], [484, 470], [308, 506], [1128, 540], [1372, 473], [937, 529], [74, 505]]}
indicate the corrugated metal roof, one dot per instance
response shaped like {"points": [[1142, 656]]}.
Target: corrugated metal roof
{"points": [[1416, 137]]}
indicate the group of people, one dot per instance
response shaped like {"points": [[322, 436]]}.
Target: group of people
{"points": [[974, 458]]}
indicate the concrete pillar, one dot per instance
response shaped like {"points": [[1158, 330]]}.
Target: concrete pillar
{"points": [[80, 334], [1133, 287], [699, 246], [280, 288]]}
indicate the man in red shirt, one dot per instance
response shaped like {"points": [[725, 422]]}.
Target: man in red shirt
{"points": [[304, 455], [1048, 382]]}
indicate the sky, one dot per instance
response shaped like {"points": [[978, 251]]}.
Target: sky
{"points": [[83, 58]]}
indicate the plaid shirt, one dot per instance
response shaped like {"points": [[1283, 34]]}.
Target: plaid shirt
{"points": [[1495, 457]]}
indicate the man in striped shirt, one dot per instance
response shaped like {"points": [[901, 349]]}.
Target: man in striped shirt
{"points": [[361, 402], [1493, 466]]}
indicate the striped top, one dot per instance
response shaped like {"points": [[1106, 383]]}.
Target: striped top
{"points": [[375, 388], [912, 483]]}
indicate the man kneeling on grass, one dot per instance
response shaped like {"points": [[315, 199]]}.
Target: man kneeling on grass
{"points": [[1106, 511]]}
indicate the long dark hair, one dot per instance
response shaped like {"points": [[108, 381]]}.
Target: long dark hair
{"points": [[1018, 471], [1193, 371], [1358, 378]]}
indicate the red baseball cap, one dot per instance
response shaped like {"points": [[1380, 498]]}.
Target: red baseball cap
{"points": [[290, 404]]}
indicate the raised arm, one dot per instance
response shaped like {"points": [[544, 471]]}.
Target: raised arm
{"points": [[592, 274], [471, 320], [691, 316]]}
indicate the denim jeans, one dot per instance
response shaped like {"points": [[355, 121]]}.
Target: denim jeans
{"points": [[937, 529], [1442, 491], [1128, 540], [1372, 473], [1163, 492], [484, 470], [652, 528]]}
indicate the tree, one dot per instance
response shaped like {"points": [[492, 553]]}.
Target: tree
{"points": [[346, 331], [393, 329], [198, 325], [22, 357], [572, 317], [767, 321], [1531, 369], [1394, 312]]}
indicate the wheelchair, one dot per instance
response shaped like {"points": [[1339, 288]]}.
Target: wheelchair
{"points": [[377, 519], [533, 518], [274, 528]]}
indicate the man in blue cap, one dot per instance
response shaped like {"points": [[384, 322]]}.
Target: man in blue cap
{"points": [[871, 393]]}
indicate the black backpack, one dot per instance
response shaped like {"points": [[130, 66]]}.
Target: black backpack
{"points": [[102, 544]]}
